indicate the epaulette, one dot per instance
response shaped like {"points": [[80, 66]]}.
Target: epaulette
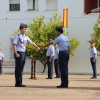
{"points": [[18, 34]]}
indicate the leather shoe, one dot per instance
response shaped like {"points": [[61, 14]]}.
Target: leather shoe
{"points": [[93, 77], [48, 78], [20, 85], [61, 86], [57, 77]]}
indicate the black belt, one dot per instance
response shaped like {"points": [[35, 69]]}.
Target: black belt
{"points": [[20, 52], [63, 51], [49, 56]]}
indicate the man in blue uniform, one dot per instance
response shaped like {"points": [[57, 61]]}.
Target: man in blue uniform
{"points": [[1, 61], [19, 47], [50, 55], [56, 54], [64, 50], [93, 55]]}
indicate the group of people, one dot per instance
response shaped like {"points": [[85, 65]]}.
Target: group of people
{"points": [[60, 56]]}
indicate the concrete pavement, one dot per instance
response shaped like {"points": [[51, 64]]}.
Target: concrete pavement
{"points": [[81, 87]]}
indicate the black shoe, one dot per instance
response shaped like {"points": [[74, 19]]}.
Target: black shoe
{"points": [[20, 85], [61, 86], [93, 77], [48, 78], [58, 77]]}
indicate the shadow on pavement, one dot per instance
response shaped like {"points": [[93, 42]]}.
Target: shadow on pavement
{"points": [[92, 80], [54, 87]]}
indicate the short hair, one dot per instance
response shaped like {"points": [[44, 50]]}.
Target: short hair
{"points": [[92, 43], [59, 28]]}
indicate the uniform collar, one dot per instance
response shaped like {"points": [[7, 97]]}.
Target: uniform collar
{"points": [[57, 49], [61, 34], [22, 34]]}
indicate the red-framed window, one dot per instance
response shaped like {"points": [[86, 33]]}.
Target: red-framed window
{"points": [[91, 4]]}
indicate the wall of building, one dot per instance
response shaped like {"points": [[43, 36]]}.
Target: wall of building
{"points": [[80, 26]]}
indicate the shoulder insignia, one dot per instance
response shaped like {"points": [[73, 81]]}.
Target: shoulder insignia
{"points": [[18, 34]]}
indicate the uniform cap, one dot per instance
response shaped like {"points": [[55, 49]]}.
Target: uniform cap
{"points": [[23, 25], [59, 28]]}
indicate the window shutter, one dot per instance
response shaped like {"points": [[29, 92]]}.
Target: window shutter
{"points": [[90, 4]]}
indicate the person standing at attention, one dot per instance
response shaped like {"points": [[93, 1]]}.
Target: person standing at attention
{"points": [[56, 65], [93, 55], [1, 61], [50, 55], [19, 47]]}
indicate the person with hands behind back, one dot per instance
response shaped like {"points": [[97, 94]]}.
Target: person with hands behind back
{"points": [[93, 55]]}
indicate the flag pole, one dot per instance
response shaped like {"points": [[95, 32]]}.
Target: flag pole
{"points": [[65, 20]]}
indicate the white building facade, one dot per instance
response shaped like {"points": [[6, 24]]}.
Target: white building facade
{"points": [[14, 12]]}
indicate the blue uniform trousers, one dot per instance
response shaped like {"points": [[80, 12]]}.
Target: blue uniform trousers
{"points": [[57, 70], [63, 65], [0, 66], [50, 67], [19, 66], [93, 67]]}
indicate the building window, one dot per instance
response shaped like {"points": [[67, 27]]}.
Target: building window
{"points": [[90, 4], [14, 5], [33, 4], [51, 4]]}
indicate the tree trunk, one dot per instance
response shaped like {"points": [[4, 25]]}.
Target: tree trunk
{"points": [[44, 68], [44, 64]]}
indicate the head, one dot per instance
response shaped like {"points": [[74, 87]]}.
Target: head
{"points": [[56, 46], [23, 28], [59, 30], [92, 44]]}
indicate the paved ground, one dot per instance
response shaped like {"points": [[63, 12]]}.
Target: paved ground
{"points": [[80, 88]]}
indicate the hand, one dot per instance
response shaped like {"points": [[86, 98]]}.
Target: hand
{"points": [[93, 60], [2, 63], [17, 55], [38, 48], [42, 48], [49, 60]]}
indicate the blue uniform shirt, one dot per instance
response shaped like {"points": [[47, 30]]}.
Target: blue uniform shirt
{"points": [[1, 55], [56, 53], [20, 41], [50, 50], [93, 51], [62, 42]]}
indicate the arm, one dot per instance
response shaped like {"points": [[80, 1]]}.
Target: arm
{"points": [[51, 55], [69, 49], [95, 54], [33, 44], [2, 60], [48, 44], [94, 57], [15, 50]]}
